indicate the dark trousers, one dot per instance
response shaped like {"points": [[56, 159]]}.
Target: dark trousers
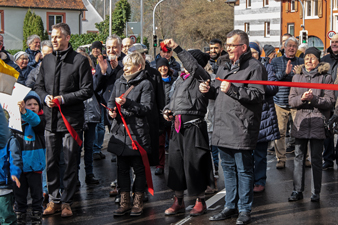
{"points": [[190, 165], [329, 154], [54, 141], [7, 215], [88, 143], [33, 181], [124, 163], [161, 149], [316, 147], [260, 163]]}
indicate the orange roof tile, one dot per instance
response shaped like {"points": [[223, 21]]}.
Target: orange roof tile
{"points": [[45, 4]]}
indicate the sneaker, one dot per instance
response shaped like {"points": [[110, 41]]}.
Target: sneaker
{"points": [[295, 196], [258, 188], [280, 165], [327, 166]]}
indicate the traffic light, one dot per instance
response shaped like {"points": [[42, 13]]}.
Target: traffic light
{"points": [[303, 36], [155, 40]]}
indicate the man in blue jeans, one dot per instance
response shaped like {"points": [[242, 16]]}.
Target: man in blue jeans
{"points": [[238, 109], [99, 137]]}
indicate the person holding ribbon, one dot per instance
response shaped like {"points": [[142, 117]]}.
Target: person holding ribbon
{"points": [[190, 165], [63, 83], [130, 102], [313, 106]]}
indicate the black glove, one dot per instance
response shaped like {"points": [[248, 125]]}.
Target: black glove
{"points": [[333, 119]]}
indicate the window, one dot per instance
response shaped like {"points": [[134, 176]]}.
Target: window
{"points": [[247, 28], [291, 29], [311, 8], [265, 3], [2, 24], [266, 29], [54, 18], [248, 3], [293, 6]]}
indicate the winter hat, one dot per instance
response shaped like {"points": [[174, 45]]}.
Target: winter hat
{"points": [[19, 54], [137, 48], [268, 49], [313, 50], [162, 62], [34, 95], [97, 44], [256, 47], [202, 58]]}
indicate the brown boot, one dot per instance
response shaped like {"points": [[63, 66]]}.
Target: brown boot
{"points": [[124, 204], [66, 210], [137, 204], [199, 208], [52, 208], [175, 208]]}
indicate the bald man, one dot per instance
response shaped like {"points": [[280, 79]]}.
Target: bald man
{"points": [[126, 44], [332, 58]]}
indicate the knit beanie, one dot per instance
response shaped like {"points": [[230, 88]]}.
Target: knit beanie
{"points": [[268, 49], [162, 62], [97, 44], [313, 50], [202, 58], [34, 95], [256, 47], [18, 55]]}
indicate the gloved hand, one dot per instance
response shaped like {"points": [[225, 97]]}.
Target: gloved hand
{"points": [[334, 118]]}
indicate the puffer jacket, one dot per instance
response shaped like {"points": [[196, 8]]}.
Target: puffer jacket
{"points": [[66, 73], [309, 121], [269, 130], [238, 112], [278, 67], [32, 55], [187, 99], [32, 141], [23, 74], [10, 163], [138, 104]]}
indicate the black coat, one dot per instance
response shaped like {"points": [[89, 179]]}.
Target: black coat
{"points": [[238, 112], [332, 59], [73, 80], [139, 103]]}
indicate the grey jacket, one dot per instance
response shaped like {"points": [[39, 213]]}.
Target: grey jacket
{"points": [[309, 123]]}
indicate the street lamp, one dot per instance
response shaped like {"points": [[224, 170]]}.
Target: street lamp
{"points": [[154, 30], [303, 25]]}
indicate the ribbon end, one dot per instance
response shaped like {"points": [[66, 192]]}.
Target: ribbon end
{"points": [[151, 191]]}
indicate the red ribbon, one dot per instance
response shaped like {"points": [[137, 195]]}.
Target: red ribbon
{"points": [[286, 84], [137, 146], [69, 127], [163, 47]]}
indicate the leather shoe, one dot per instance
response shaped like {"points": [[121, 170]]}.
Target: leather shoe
{"points": [[66, 210], [315, 198], [280, 165], [295, 196], [96, 156], [175, 208], [52, 208], [200, 208], [113, 192], [243, 218], [226, 213], [159, 171], [90, 179], [258, 188], [307, 163], [327, 166]]}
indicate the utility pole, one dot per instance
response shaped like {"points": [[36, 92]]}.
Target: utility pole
{"points": [[110, 17], [154, 28], [301, 3], [141, 21]]}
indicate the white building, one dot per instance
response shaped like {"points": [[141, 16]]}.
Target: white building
{"points": [[89, 18], [260, 19]]}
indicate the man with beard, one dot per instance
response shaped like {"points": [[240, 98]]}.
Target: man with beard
{"points": [[216, 50]]}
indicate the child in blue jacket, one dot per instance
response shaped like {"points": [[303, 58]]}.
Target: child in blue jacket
{"points": [[32, 144], [10, 169]]}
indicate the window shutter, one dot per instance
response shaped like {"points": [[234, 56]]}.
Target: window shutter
{"points": [[296, 5], [287, 6], [320, 8]]}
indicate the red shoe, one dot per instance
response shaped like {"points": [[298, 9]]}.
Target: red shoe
{"points": [[175, 208], [200, 208], [258, 188]]}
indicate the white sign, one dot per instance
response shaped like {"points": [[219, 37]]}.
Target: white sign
{"points": [[10, 103], [330, 34]]}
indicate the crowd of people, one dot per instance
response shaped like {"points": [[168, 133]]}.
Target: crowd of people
{"points": [[154, 108]]}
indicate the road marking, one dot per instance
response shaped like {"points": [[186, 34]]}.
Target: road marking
{"points": [[211, 201]]}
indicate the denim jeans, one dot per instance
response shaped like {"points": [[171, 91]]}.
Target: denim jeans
{"points": [[99, 133], [215, 158], [238, 178], [260, 163], [88, 140]]}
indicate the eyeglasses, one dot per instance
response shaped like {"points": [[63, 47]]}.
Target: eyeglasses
{"points": [[24, 58], [310, 59], [232, 46], [291, 46]]}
